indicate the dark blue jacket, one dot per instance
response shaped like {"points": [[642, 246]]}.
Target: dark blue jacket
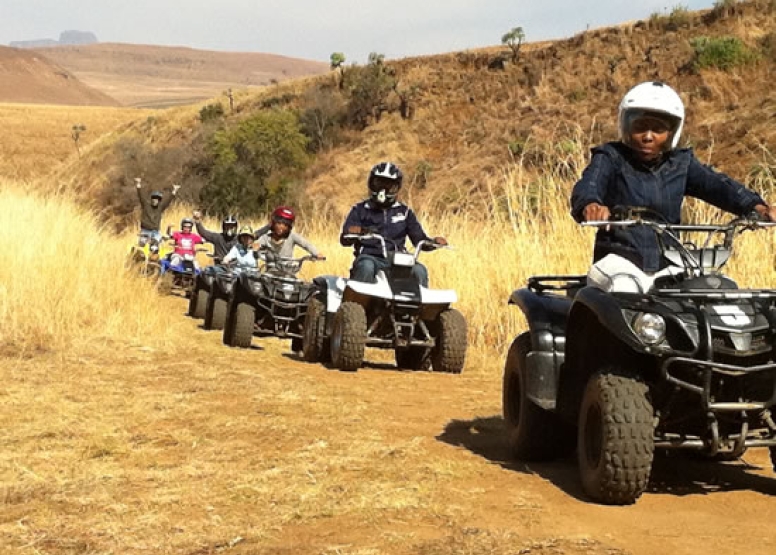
{"points": [[395, 223], [615, 177]]}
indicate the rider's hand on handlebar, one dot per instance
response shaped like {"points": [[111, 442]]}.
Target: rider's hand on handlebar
{"points": [[320, 256], [766, 212], [441, 241], [595, 212], [196, 215], [355, 230]]}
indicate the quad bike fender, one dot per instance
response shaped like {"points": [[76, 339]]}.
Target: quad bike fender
{"points": [[547, 316], [356, 290], [598, 335], [330, 289], [437, 296], [595, 309]]}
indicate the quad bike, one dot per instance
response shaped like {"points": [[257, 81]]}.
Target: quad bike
{"points": [[145, 255], [200, 294], [181, 276], [397, 312], [619, 362], [269, 302], [221, 289]]}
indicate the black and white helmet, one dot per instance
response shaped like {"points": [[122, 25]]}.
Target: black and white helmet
{"points": [[384, 183], [654, 98], [187, 222], [229, 226]]}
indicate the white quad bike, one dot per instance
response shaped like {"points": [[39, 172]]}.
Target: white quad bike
{"points": [[397, 312]]}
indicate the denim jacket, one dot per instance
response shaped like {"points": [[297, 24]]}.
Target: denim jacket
{"points": [[616, 178], [395, 223]]}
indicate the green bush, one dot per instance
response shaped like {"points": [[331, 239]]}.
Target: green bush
{"points": [[369, 87], [253, 162], [721, 52], [211, 112]]}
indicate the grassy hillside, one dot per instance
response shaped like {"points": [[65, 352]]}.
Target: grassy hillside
{"points": [[471, 123], [146, 75], [26, 76], [37, 138]]}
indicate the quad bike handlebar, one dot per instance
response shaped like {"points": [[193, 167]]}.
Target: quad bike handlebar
{"points": [[625, 217], [421, 246]]}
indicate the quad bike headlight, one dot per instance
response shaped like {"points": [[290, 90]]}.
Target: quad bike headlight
{"points": [[649, 327]]}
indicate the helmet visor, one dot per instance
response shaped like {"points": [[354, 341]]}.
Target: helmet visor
{"points": [[390, 186], [276, 219], [641, 121]]}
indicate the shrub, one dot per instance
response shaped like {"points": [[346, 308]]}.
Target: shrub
{"points": [[720, 52], [253, 162], [322, 116], [369, 87], [211, 112]]}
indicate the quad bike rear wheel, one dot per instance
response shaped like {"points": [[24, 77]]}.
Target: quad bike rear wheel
{"points": [[348, 338], [615, 441], [449, 353], [533, 433], [315, 344], [198, 303]]}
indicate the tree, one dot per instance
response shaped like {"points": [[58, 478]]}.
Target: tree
{"points": [[514, 40], [369, 87], [251, 162], [337, 61]]}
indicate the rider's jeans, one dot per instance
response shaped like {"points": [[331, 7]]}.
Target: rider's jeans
{"points": [[156, 234], [366, 266]]}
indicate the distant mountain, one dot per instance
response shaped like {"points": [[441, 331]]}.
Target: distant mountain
{"points": [[66, 38], [28, 77], [149, 75]]}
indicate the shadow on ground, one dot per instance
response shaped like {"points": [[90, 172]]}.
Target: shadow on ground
{"points": [[672, 473]]}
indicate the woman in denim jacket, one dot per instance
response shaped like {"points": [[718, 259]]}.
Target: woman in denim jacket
{"points": [[646, 169]]}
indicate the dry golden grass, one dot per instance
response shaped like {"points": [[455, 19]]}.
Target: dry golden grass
{"points": [[63, 283], [37, 138]]}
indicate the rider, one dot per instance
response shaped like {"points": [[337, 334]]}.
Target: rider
{"points": [[185, 243], [151, 209], [382, 213], [222, 242], [242, 253], [646, 169], [279, 238]]}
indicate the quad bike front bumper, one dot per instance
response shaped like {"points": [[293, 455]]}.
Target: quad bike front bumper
{"points": [[715, 383]]}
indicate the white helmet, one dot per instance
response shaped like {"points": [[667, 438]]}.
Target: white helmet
{"points": [[655, 97]]}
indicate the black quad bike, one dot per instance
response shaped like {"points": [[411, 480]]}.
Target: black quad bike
{"points": [[217, 306], [200, 294], [395, 312], [270, 302], [682, 359]]}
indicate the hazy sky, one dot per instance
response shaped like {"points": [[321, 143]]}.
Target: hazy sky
{"points": [[313, 29]]}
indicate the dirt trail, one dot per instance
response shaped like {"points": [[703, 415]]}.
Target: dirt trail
{"points": [[298, 458]]}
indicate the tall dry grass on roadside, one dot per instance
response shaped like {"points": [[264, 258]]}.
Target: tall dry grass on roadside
{"points": [[63, 281]]}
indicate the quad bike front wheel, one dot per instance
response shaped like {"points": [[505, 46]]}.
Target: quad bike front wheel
{"points": [[449, 352], [215, 315], [615, 437], [242, 327], [533, 433], [198, 303], [348, 338], [315, 344]]}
